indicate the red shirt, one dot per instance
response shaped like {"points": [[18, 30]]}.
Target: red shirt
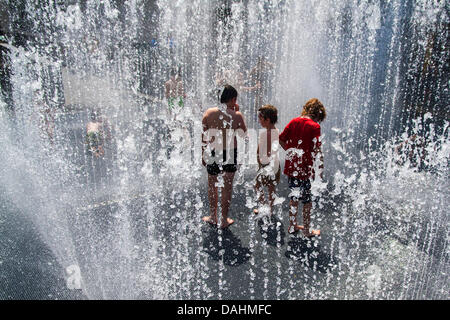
{"points": [[301, 136]]}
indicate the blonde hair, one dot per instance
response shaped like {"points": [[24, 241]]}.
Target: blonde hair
{"points": [[314, 109]]}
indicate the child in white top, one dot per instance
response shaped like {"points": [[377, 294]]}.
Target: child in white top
{"points": [[269, 163]]}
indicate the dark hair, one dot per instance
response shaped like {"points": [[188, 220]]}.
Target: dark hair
{"points": [[269, 112], [228, 93], [94, 115], [175, 71], [314, 109]]}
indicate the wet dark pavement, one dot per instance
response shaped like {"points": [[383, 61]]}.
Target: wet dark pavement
{"points": [[247, 260], [182, 257]]}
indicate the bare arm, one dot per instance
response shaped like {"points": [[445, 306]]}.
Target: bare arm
{"points": [[167, 90], [319, 151], [282, 144], [256, 86], [284, 136], [181, 91], [204, 130], [319, 155], [241, 122]]}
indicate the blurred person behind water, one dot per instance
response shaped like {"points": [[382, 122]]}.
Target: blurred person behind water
{"points": [[174, 92], [46, 116], [260, 76], [97, 131], [235, 79]]}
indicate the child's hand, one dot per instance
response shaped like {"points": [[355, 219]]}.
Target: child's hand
{"points": [[236, 107], [203, 160]]}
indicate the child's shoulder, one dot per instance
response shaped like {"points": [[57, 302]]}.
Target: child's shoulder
{"points": [[239, 114], [211, 110]]}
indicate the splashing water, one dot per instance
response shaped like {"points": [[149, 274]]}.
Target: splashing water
{"points": [[125, 218]]}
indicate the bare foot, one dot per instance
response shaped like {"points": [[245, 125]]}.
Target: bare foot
{"points": [[210, 220], [226, 224], [294, 228], [313, 233]]}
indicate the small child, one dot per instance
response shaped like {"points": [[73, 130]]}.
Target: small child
{"points": [[269, 163], [301, 140], [175, 94], [95, 135]]}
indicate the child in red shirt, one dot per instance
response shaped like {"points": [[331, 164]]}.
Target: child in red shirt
{"points": [[301, 140]]}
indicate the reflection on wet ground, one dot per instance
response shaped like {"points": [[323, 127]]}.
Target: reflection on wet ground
{"points": [[148, 241]]}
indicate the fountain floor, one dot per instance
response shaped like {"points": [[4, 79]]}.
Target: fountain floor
{"points": [[255, 259]]}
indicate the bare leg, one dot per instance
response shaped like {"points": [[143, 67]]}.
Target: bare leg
{"points": [[213, 200], [226, 198], [306, 221], [258, 102], [293, 209], [101, 151], [259, 194], [271, 188], [50, 130]]}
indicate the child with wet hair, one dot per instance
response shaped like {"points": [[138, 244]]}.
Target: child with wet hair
{"points": [[301, 140], [95, 135], [268, 175]]}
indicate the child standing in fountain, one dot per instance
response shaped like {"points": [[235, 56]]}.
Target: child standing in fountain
{"points": [[174, 92], [219, 152], [95, 135], [301, 140], [269, 163]]}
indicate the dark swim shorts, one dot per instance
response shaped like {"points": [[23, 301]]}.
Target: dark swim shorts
{"points": [[214, 168], [302, 188]]}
